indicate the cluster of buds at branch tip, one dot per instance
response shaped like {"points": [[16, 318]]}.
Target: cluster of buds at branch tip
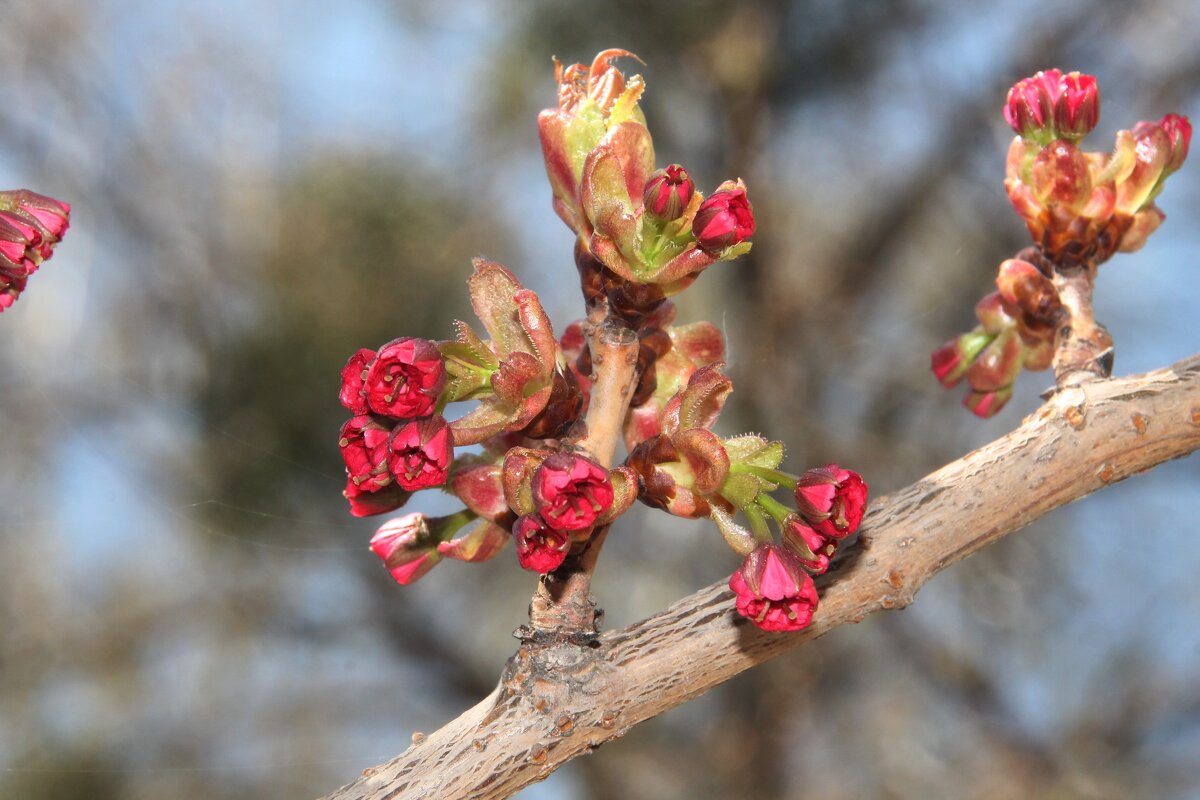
{"points": [[645, 226], [1050, 105], [30, 226], [1080, 209]]}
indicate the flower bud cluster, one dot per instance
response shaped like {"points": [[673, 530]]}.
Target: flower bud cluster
{"points": [[526, 485], [773, 587], [561, 498], [30, 226], [1016, 330], [642, 235], [1081, 207], [687, 470], [395, 443], [645, 226]]}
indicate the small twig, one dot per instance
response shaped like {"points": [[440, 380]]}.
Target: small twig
{"points": [[1083, 348]]}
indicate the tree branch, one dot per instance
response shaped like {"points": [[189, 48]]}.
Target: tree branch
{"points": [[558, 701]]}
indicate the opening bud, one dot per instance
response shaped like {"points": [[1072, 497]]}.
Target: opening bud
{"points": [[571, 491], [1078, 106], [773, 590], [419, 453], [404, 379], [723, 220], [407, 547], [668, 192], [540, 548], [1031, 104], [832, 500]]}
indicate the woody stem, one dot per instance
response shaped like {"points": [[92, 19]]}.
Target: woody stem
{"points": [[563, 604]]}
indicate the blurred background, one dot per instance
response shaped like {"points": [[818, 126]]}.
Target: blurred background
{"points": [[260, 188]]}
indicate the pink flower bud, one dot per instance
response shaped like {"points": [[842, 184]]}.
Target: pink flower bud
{"points": [[1078, 106], [571, 491], [773, 591], [406, 547], [1031, 104], [1179, 132], [540, 548], [832, 500], [363, 442], [668, 192], [723, 220], [354, 380], [405, 378], [812, 548], [30, 225], [480, 488], [419, 453]]}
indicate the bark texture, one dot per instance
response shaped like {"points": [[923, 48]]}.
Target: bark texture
{"points": [[559, 700]]}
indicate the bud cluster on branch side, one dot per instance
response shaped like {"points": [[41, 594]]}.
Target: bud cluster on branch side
{"points": [[1080, 208]]}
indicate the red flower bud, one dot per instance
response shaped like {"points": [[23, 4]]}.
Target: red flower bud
{"points": [[20, 255], [1031, 103], [354, 381], [723, 220], [405, 378], [773, 591], [540, 548], [30, 225], [363, 442], [832, 500], [668, 192], [571, 491], [1078, 106], [366, 502], [406, 547], [419, 453]]}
